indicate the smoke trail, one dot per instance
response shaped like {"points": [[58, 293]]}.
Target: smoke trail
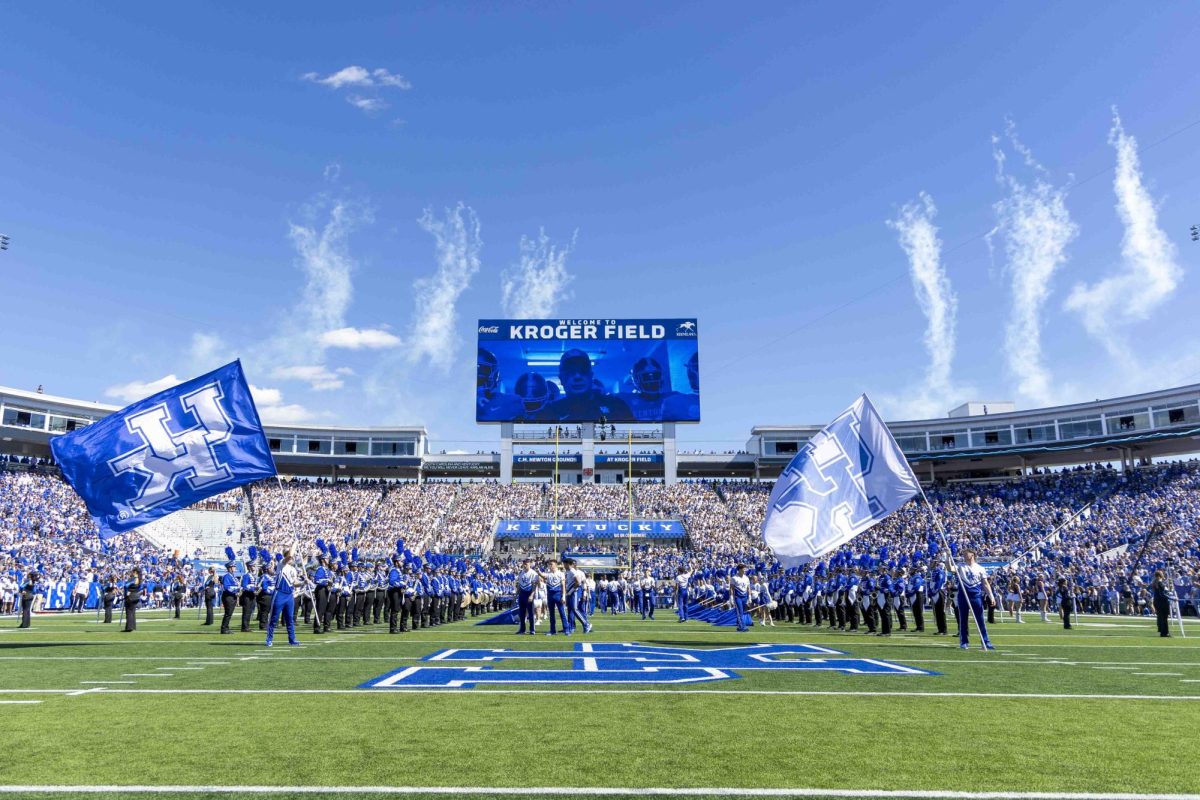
{"points": [[457, 244], [538, 283], [1151, 272], [1037, 229], [919, 239]]}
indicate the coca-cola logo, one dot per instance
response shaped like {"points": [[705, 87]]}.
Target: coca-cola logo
{"points": [[489, 328]]}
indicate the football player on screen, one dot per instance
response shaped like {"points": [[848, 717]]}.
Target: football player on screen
{"points": [[685, 406], [648, 399], [582, 401], [491, 404]]}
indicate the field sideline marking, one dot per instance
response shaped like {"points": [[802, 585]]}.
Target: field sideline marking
{"points": [[100, 690], [596, 791]]}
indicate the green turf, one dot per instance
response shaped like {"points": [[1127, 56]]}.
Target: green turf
{"points": [[707, 735]]}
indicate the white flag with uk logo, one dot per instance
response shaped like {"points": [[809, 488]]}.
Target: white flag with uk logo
{"points": [[849, 477]]}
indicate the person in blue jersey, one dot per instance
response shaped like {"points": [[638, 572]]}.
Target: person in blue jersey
{"points": [[231, 588], [883, 602], [574, 582], [410, 602], [739, 589], [395, 594], [553, 580], [283, 602], [900, 596], [916, 598], [264, 593], [937, 596], [322, 578], [682, 579], [247, 598], [527, 582], [973, 586], [208, 591]]}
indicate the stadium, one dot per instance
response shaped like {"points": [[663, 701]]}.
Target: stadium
{"points": [[832, 428], [1078, 491]]}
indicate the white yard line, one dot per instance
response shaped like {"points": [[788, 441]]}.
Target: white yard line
{"points": [[591, 791], [730, 692]]}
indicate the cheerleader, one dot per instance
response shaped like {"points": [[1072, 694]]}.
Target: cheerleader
{"points": [[1043, 598], [1013, 599], [539, 603], [764, 602]]}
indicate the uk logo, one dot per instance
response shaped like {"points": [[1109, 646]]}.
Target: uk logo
{"points": [[625, 663], [169, 452], [830, 481]]}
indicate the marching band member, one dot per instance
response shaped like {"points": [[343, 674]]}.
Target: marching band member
{"points": [[133, 596], [682, 579], [972, 585], [208, 591], [109, 596], [29, 590], [649, 595], [246, 598], [264, 594], [230, 589], [552, 579], [937, 591], [527, 581], [282, 600], [575, 588], [322, 579], [916, 589], [739, 586], [395, 582]]}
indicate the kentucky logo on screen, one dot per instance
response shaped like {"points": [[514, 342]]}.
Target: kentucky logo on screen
{"points": [[627, 662], [591, 370]]}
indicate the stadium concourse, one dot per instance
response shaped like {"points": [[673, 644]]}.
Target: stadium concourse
{"points": [[1091, 526]]}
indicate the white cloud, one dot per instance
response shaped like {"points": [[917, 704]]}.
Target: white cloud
{"points": [[1151, 272], [1037, 229], [384, 78], [538, 283], [290, 414], [367, 104], [319, 377], [919, 240], [266, 397], [457, 245], [138, 390], [207, 352], [359, 76], [332, 172], [356, 339]]}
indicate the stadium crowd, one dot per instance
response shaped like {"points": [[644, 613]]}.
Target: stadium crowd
{"points": [[1083, 534]]}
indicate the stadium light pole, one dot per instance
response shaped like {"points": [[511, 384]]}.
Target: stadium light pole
{"points": [[4, 240]]}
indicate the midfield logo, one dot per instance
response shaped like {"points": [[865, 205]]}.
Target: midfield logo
{"points": [[628, 662], [165, 456]]}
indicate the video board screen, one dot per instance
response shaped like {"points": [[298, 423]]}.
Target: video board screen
{"points": [[588, 370]]}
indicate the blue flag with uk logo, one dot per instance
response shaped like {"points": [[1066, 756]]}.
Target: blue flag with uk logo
{"points": [[845, 479], [161, 454]]}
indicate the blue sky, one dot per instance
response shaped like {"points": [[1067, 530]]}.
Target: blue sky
{"points": [[183, 186]]}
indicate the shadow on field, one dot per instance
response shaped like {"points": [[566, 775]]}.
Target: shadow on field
{"points": [[707, 644]]}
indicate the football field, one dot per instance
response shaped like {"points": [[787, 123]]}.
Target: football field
{"points": [[636, 708]]}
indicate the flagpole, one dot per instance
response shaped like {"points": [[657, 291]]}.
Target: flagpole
{"points": [[557, 428], [629, 483], [250, 505]]}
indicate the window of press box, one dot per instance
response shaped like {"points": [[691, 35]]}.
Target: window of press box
{"points": [[786, 448], [24, 419]]}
